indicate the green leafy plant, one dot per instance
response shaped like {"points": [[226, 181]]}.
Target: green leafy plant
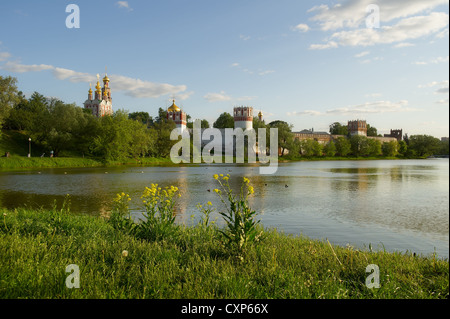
{"points": [[241, 226], [120, 217], [159, 215]]}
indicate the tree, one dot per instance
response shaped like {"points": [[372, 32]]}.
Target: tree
{"points": [[359, 145], [162, 144], [119, 138], [390, 148], [373, 147], [371, 131], [162, 116], [338, 129], [330, 149], [225, 120], [142, 117], [285, 135], [203, 124], [423, 145], [444, 148], [8, 97], [310, 147], [402, 148], [343, 146]]}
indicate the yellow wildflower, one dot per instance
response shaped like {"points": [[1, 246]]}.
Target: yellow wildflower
{"points": [[209, 203], [216, 176], [246, 180], [225, 178], [251, 190]]}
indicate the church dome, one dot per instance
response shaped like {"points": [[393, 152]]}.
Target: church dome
{"points": [[106, 79], [173, 108]]}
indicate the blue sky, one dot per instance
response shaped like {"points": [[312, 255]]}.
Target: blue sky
{"points": [[310, 63]]}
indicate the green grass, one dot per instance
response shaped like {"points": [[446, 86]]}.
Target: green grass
{"points": [[36, 246]]}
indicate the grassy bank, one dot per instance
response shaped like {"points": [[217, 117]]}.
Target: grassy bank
{"points": [[36, 246], [21, 162]]}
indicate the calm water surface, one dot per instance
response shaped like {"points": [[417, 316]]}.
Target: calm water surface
{"points": [[396, 205]]}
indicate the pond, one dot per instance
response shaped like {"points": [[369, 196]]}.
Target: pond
{"points": [[397, 205]]}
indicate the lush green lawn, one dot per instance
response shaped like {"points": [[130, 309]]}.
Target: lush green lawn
{"points": [[36, 246]]}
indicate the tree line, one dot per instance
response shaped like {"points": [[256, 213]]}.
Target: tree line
{"points": [[69, 130]]}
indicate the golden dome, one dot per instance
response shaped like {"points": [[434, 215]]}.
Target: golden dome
{"points": [[173, 108], [106, 79], [260, 114]]}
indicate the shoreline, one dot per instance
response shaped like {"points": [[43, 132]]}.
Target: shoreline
{"points": [[19, 163]]}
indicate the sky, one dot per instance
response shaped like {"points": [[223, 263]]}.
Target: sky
{"points": [[309, 63]]}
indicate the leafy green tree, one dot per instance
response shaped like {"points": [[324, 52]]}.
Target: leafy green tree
{"points": [[338, 129], [359, 145], [225, 120], [285, 135], [402, 148], [390, 149], [142, 117], [423, 145], [330, 149], [9, 97], [119, 138], [371, 131], [343, 146], [203, 124], [162, 116], [65, 123], [374, 147], [310, 147], [162, 144], [444, 148]]}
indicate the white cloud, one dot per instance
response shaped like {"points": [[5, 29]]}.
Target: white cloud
{"points": [[328, 45], [403, 45], [373, 95], [4, 56], [399, 22], [124, 4], [360, 55], [260, 72], [352, 13], [442, 34], [406, 29], [22, 68], [222, 96], [301, 27], [72, 76], [244, 37], [130, 86], [306, 112], [373, 108], [144, 89], [265, 72], [443, 86], [217, 97], [437, 60]]}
